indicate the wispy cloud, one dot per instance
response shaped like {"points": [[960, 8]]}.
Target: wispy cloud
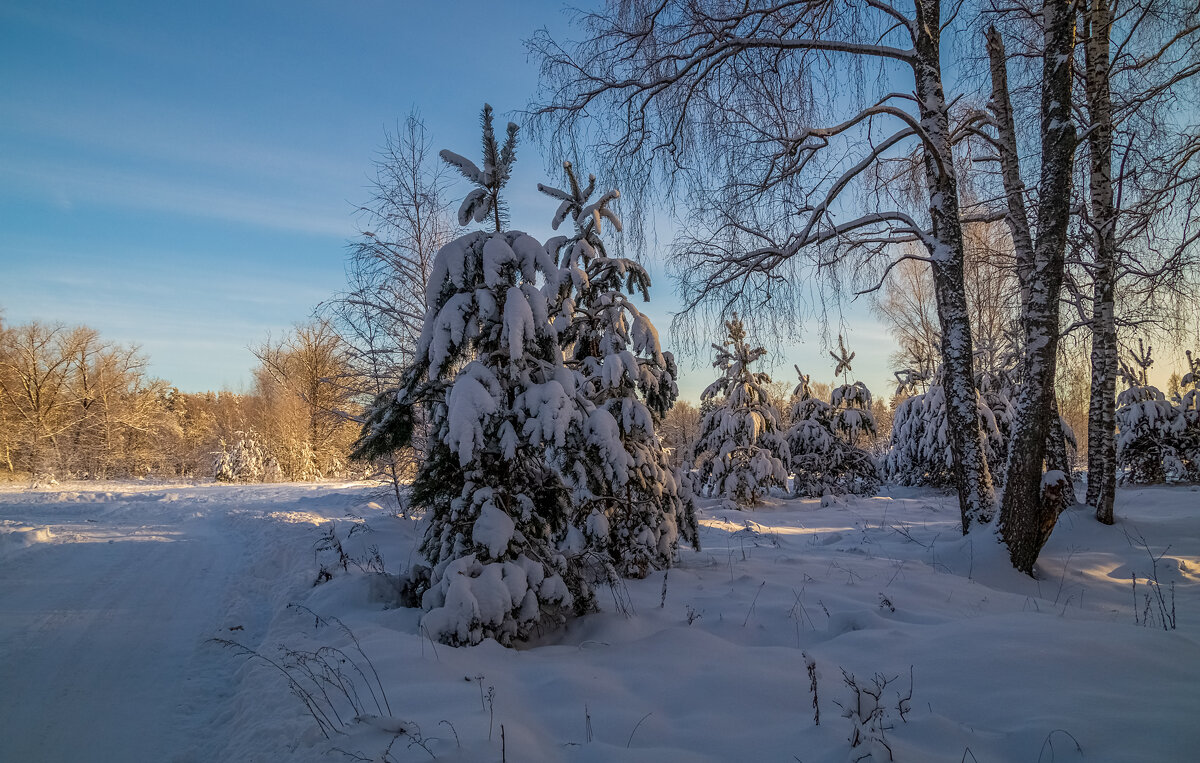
{"points": [[67, 184], [132, 129]]}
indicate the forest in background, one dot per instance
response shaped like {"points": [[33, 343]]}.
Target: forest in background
{"points": [[74, 405]]}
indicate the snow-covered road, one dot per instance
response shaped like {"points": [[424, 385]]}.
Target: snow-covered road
{"points": [[107, 602]]}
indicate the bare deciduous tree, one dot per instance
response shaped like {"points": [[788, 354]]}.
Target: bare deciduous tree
{"points": [[75, 405], [679, 431], [381, 313], [907, 304], [304, 384], [740, 102], [1140, 220], [35, 370]]}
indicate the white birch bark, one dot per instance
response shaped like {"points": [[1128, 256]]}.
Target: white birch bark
{"points": [[1017, 218], [1026, 516], [975, 492], [1102, 448]]}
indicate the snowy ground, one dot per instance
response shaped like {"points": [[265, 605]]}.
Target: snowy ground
{"points": [[110, 594]]}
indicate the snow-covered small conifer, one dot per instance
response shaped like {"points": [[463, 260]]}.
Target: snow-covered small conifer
{"points": [[740, 452], [246, 461], [810, 440], [920, 443], [823, 450], [1149, 427], [630, 506], [1188, 405], [490, 367], [851, 402]]}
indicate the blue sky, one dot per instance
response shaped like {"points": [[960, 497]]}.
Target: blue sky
{"points": [[182, 175]]}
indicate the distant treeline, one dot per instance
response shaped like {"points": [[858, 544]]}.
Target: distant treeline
{"points": [[75, 406]]}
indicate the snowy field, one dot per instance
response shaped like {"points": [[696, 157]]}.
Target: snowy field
{"points": [[110, 596]]}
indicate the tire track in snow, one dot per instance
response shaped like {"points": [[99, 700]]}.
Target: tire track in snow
{"points": [[102, 652]]}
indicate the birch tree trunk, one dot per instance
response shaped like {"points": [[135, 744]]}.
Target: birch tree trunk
{"points": [[1026, 516], [1017, 218], [1102, 448], [672, 83], [974, 482]]}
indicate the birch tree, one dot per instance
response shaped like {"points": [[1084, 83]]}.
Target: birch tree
{"points": [[380, 314], [668, 85], [1031, 503], [1139, 58]]}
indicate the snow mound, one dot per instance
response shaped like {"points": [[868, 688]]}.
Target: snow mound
{"points": [[16, 537]]}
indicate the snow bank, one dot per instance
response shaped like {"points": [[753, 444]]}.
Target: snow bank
{"points": [[15, 536]]}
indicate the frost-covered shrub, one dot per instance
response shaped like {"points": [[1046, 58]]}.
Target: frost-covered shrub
{"points": [[246, 461], [630, 507], [740, 452], [824, 456]]}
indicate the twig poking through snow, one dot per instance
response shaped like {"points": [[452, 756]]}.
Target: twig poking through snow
{"points": [[1050, 741], [752, 603], [635, 728], [811, 666]]}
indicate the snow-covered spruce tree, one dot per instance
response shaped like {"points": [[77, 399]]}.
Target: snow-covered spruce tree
{"points": [[630, 505], [740, 452], [920, 444], [822, 441], [823, 454], [1149, 427], [1189, 409], [997, 391], [851, 402], [490, 368], [245, 461], [810, 441]]}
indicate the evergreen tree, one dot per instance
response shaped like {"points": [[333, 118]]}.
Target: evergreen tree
{"points": [[920, 443], [823, 440], [997, 391], [630, 505], [810, 441], [490, 367], [1189, 409], [851, 402], [739, 454], [1149, 428]]}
